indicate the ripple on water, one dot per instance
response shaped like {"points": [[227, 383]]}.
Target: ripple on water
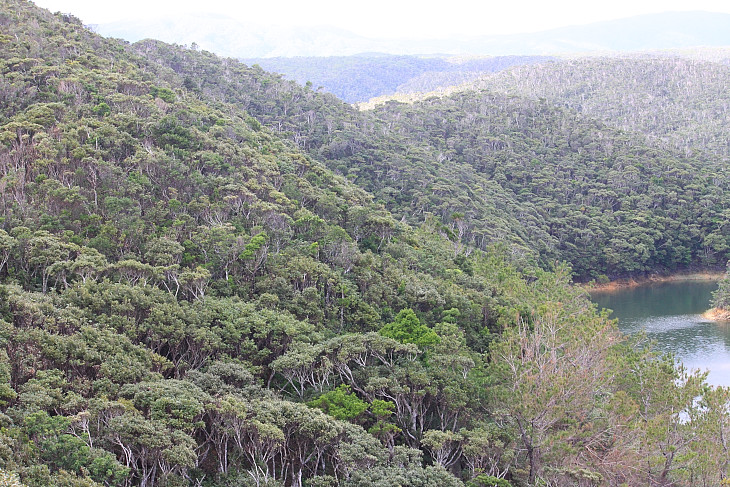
{"points": [[671, 315], [662, 324]]}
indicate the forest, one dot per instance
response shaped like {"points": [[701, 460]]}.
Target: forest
{"points": [[362, 77], [212, 276], [679, 103], [545, 180]]}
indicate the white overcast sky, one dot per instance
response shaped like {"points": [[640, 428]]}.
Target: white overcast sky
{"points": [[391, 18]]}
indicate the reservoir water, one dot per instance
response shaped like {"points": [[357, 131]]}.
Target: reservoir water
{"points": [[671, 314]]}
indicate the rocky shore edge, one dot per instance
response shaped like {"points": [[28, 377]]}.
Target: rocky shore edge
{"points": [[717, 314], [635, 282]]}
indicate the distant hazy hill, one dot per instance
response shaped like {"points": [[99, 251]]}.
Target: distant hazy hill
{"points": [[362, 77], [228, 37], [666, 30], [231, 38], [681, 103]]}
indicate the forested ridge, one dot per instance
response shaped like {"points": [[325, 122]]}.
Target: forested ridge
{"points": [[679, 103], [204, 281], [549, 182], [603, 200]]}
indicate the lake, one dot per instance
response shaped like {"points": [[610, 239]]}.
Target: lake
{"points": [[671, 314]]}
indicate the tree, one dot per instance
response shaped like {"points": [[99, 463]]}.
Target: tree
{"points": [[254, 256], [46, 252], [163, 252], [721, 296], [404, 469], [65, 451], [661, 403], [340, 403], [407, 328], [149, 449], [7, 243], [549, 373], [89, 264], [708, 457], [194, 282], [444, 446], [489, 449]]}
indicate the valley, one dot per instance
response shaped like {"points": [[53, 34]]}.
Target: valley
{"points": [[213, 276]]}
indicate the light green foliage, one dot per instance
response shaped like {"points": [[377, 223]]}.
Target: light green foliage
{"points": [[403, 477], [253, 247], [482, 480], [340, 403], [381, 409], [407, 328]]}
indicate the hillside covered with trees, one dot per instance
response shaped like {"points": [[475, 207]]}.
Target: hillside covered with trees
{"points": [[213, 277], [678, 103], [547, 181]]}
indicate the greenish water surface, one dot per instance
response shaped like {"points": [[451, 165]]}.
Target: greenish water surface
{"points": [[671, 314]]}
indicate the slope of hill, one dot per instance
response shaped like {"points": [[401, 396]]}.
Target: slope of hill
{"points": [[680, 103], [161, 255], [583, 193], [477, 155], [189, 299]]}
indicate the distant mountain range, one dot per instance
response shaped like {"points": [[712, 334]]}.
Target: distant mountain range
{"points": [[362, 77], [229, 37]]}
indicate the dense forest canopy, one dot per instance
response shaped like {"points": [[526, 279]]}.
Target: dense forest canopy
{"points": [[679, 103], [210, 276], [547, 181]]}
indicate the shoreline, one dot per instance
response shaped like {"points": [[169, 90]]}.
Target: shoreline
{"points": [[627, 283], [717, 314]]}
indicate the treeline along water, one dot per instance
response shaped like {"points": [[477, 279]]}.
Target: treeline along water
{"points": [[671, 314]]}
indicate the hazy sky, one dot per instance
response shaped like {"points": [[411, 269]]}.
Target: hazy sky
{"points": [[391, 18]]}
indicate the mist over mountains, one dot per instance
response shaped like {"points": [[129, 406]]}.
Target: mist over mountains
{"points": [[228, 37]]}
